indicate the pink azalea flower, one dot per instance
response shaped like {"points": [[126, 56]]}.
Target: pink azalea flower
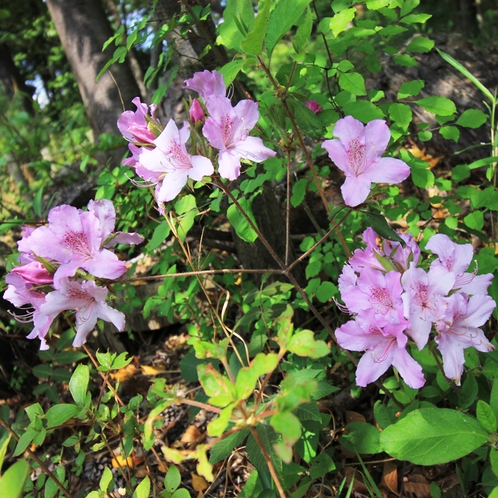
{"points": [[459, 329], [227, 130], [135, 125], [206, 84], [172, 164], [424, 300], [22, 295], [76, 239], [357, 153], [379, 292], [313, 106], [88, 300], [384, 345]]}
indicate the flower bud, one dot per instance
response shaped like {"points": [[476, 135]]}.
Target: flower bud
{"points": [[313, 106], [197, 112]]}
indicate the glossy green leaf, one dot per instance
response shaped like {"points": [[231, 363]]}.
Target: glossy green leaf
{"points": [[410, 89], [78, 384], [472, 118], [362, 438], [253, 42], [239, 222], [363, 110], [12, 482], [143, 489], [431, 436], [486, 416], [401, 114], [420, 44], [238, 21], [285, 15], [437, 105], [352, 82], [161, 232], [450, 133], [60, 414], [340, 21]]}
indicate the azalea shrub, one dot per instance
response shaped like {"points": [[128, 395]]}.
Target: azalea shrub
{"points": [[413, 294]]}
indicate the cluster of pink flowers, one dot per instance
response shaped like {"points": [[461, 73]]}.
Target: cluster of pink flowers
{"points": [[393, 299], [160, 155], [65, 265]]}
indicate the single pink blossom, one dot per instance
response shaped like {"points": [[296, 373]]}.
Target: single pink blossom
{"points": [[206, 84], [424, 300], [196, 112], [135, 125], [313, 106], [459, 329], [357, 152], [227, 129], [384, 345], [172, 164], [88, 300]]}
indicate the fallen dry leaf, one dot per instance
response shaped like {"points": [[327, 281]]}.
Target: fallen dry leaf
{"points": [[191, 435], [124, 373], [198, 482], [151, 370], [416, 490], [354, 417], [390, 477]]}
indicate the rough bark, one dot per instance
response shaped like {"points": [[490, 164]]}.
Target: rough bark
{"points": [[83, 28]]}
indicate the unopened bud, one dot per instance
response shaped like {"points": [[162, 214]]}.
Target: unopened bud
{"points": [[313, 106], [197, 112]]}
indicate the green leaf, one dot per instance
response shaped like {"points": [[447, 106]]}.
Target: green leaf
{"points": [[431, 436], [486, 416], [472, 118], [407, 6], [437, 105], [239, 223], [475, 220], [12, 482], [285, 15], [401, 114], [405, 60], [453, 62], [105, 480], [238, 20], [37, 202], [450, 133], [61, 413], [382, 228], [493, 458], [218, 387], [340, 21], [326, 291], [253, 43], [121, 361], [247, 377], [24, 441], [299, 192], [224, 448], [363, 110], [303, 344], [159, 236], [78, 384], [352, 82], [287, 424], [143, 489], [420, 44], [415, 18], [303, 32], [410, 89], [362, 438], [173, 479], [321, 465]]}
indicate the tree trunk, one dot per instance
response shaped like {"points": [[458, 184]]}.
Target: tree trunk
{"points": [[83, 28]]}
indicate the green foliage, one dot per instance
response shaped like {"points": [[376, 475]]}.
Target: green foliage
{"points": [[259, 367]]}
